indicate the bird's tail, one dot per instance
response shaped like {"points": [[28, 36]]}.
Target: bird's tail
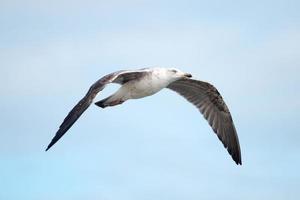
{"points": [[102, 103]]}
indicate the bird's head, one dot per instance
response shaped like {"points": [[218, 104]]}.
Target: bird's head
{"points": [[176, 73]]}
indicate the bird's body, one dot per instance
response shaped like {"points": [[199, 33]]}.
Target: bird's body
{"points": [[145, 82], [146, 85]]}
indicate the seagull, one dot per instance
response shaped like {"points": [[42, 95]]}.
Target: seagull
{"points": [[145, 82]]}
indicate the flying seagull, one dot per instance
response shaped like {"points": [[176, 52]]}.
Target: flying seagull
{"points": [[148, 81]]}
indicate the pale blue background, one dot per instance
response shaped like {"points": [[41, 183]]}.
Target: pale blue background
{"points": [[159, 147]]}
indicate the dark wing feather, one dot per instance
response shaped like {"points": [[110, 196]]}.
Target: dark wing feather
{"points": [[210, 103], [120, 77]]}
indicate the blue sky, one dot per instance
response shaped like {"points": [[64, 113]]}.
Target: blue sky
{"points": [[159, 147]]}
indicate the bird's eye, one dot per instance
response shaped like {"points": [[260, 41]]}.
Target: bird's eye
{"points": [[174, 70]]}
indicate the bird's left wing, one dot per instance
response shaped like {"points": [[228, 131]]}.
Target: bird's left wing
{"points": [[210, 103], [120, 77]]}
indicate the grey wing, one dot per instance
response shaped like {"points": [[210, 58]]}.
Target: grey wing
{"points": [[120, 77], [210, 103]]}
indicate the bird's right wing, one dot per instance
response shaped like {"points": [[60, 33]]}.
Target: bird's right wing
{"points": [[120, 77], [211, 104]]}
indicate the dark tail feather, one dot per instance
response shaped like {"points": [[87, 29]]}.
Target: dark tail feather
{"points": [[101, 103]]}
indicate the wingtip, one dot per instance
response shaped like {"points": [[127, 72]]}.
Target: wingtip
{"points": [[236, 158], [49, 146], [238, 162]]}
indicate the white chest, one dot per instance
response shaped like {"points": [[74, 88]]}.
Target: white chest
{"points": [[147, 86]]}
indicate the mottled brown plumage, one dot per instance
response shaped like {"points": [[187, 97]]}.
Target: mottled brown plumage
{"points": [[145, 82], [210, 103], [120, 77]]}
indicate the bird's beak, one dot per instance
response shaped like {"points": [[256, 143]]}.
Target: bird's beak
{"points": [[187, 75]]}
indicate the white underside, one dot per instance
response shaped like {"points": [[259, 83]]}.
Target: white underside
{"points": [[147, 86]]}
